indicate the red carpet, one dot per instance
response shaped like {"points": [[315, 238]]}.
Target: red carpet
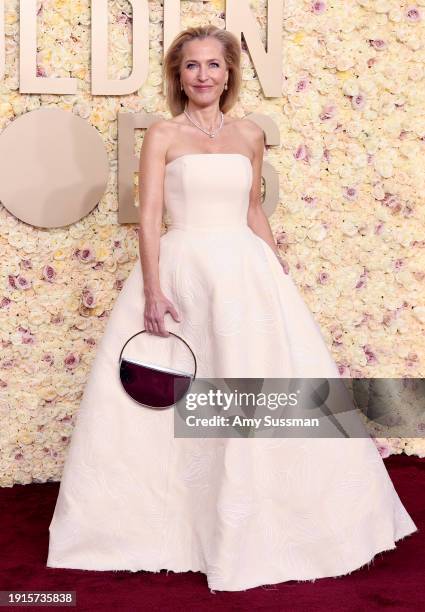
{"points": [[394, 580]]}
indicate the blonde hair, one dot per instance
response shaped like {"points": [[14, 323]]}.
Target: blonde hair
{"points": [[176, 97]]}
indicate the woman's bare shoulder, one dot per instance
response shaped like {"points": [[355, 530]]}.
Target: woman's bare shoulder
{"points": [[164, 125], [246, 130], [250, 128], [162, 132]]}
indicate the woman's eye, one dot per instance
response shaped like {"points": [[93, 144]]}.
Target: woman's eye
{"points": [[212, 64]]}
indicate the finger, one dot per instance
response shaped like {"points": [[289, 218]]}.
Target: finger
{"points": [[148, 325], [155, 327], [162, 329], [174, 313]]}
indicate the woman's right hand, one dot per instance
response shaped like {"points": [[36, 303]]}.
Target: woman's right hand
{"points": [[155, 308]]}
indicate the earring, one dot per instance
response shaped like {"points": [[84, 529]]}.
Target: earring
{"points": [[225, 86]]}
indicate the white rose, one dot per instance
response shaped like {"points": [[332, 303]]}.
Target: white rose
{"points": [[395, 15], [383, 166], [382, 6], [317, 232], [350, 87]]}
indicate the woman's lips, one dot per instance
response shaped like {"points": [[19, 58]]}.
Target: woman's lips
{"points": [[203, 87]]}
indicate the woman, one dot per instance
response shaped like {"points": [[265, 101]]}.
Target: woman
{"points": [[246, 512]]}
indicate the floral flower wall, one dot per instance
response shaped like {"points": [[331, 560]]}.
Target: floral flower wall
{"points": [[350, 221]]}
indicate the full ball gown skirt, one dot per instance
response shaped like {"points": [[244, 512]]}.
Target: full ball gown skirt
{"points": [[244, 511]]}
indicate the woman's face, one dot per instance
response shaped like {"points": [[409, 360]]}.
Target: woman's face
{"points": [[203, 71]]}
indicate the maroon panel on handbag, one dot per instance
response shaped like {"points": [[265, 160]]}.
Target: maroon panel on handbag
{"points": [[154, 386]]}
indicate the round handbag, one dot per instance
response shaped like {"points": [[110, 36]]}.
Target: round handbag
{"points": [[152, 385]]}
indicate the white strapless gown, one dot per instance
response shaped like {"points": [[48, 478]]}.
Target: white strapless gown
{"points": [[246, 512]]}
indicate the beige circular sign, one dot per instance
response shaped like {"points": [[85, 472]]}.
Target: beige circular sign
{"points": [[53, 167]]}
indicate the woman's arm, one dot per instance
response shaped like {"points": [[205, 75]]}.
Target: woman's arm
{"points": [[257, 219], [151, 203], [151, 195]]}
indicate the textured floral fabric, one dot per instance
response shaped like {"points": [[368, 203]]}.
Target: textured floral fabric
{"points": [[246, 512]]}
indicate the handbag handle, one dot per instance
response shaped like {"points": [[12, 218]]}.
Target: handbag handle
{"points": [[170, 332]]}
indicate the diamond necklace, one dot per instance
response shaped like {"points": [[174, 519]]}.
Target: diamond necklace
{"points": [[211, 134]]}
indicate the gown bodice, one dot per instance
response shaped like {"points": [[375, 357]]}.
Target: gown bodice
{"points": [[206, 190]]}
